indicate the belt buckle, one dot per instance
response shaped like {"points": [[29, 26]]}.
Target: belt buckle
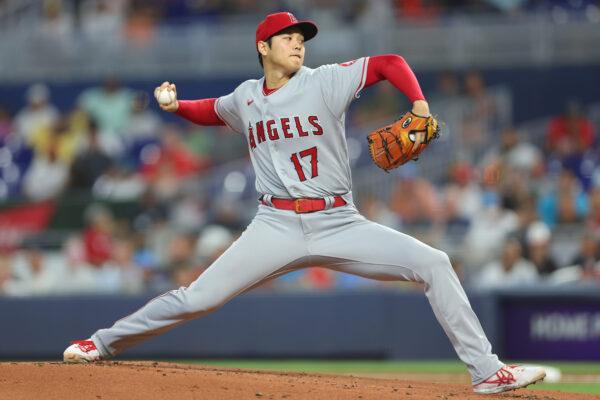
{"points": [[298, 206]]}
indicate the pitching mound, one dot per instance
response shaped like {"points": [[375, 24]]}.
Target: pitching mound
{"points": [[153, 380]]}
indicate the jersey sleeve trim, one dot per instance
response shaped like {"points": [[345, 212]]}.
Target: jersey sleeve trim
{"points": [[363, 78], [223, 119]]}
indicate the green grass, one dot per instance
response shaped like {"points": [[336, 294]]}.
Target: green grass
{"points": [[415, 367], [593, 388]]}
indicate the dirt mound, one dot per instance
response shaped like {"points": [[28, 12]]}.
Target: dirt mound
{"points": [[153, 380]]}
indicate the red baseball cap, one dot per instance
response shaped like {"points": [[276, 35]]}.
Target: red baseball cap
{"points": [[277, 22]]}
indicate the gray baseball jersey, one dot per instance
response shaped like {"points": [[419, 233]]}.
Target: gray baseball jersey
{"points": [[296, 140], [296, 135]]}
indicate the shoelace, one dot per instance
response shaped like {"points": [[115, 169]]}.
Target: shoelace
{"points": [[85, 345], [503, 377]]}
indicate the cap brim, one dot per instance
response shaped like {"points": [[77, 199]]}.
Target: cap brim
{"points": [[309, 29]]}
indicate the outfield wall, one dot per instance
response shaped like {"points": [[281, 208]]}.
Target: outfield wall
{"points": [[332, 325]]}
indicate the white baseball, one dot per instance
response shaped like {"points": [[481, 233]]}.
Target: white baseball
{"points": [[166, 97]]}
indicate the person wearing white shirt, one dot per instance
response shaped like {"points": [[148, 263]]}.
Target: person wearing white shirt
{"points": [[510, 270]]}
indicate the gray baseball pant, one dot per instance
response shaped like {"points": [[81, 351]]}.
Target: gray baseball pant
{"points": [[277, 242]]}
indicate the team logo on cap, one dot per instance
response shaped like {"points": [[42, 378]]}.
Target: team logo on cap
{"points": [[292, 18]]}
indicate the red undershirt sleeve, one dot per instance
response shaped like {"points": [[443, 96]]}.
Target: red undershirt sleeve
{"points": [[201, 112], [395, 70]]}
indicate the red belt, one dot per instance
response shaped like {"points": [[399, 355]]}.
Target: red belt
{"points": [[301, 206]]}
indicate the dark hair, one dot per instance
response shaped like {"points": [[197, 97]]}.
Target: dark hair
{"points": [[260, 61]]}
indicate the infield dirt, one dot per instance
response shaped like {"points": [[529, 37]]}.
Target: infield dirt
{"points": [[154, 380]]}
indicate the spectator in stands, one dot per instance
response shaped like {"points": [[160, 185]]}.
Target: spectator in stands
{"points": [[593, 218], [517, 154], [6, 125], [376, 210], [538, 248], [7, 282], [91, 163], [365, 16], [226, 211], [212, 242], [315, 278], [448, 89], [490, 227], [120, 274], [80, 276], [480, 118], [202, 140], [174, 154], [418, 9], [151, 211], [588, 259], [151, 221], [568, 211], [526, 211], [98, 235], [570, 133], [583, 165], [164, 183], [564, 203], [141, 22], [37, 114], [381, 109], [143, 257], [318, 278], [182, 263], [110, 106], [48, 176], [462, 196], [571, 140], [57, 23], [67, 134], [518, 166], [101, 19], [187, 212], [119, 183], [449, 103], [36, 276], [165, 169], [510, 270], [229, 146], [143, 124], [416, 202]]}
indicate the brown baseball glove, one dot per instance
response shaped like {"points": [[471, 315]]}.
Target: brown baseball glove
{"points": [[400, 142]]}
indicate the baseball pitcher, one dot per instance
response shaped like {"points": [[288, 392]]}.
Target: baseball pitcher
{"points": [[293, 120]]}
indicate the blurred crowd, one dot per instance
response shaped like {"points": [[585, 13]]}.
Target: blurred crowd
{"points": [[512, 206], [111, 148], [111, 143], [139, 19]]}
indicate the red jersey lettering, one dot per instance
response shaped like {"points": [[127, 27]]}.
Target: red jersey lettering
{"points": [[251, 136], [272, 132], [301, 132], [260, 132], [314, 121], [285, 126]]}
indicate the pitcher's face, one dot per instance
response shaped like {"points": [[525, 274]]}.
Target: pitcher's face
{"points": [[286, 51]]}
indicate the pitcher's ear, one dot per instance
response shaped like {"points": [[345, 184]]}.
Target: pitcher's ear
{"points": [[262, 48]]}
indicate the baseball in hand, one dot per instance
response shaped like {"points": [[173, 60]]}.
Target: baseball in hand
{"points": [[166, 97]]}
